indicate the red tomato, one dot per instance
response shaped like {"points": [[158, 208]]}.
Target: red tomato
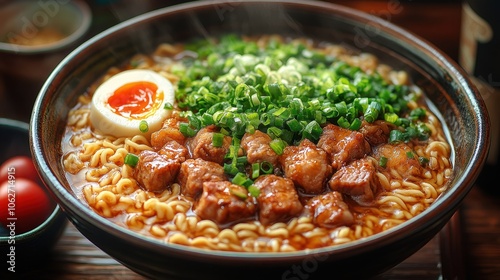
{"points": [[23, 205], [18, 167]]}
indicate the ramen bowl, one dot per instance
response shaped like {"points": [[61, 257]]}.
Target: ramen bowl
{"points": [[24, 249], [454, 98]]}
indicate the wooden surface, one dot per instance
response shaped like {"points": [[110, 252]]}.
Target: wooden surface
{"points": [[473, 234]]}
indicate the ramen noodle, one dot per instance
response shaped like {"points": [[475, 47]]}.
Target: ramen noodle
{"points": [[352, 151]]}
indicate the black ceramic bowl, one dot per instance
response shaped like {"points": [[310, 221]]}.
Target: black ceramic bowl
{"points": [[446, 85], [25, 250]]}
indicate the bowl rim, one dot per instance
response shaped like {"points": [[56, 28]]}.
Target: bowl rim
{"points": [[378, 240], [84, 25]]}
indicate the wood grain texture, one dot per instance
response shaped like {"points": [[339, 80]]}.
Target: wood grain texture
{"points": [[481, 227]]}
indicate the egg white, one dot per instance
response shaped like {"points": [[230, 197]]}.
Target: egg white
{"points": [[107, 122]]}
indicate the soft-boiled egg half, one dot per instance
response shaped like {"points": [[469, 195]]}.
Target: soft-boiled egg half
{"points": [[132, 102]]}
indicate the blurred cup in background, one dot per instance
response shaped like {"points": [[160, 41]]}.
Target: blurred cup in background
{"points": [[34, 37]]}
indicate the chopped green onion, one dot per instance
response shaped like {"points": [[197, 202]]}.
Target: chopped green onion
{"points": [[294, 125], [312, 131], [356, 124], [391, 117], [410, 155], [274, 132], [253, 190], [143, 126], [396, 136], [382, 162], [266, 167], [239, 193], [372, 112], [278, 146], [286, 90], [255, 170], [168, 106], [194, 122], [423, 161], [242, 180], [241, 160], [231, 168], [217, 139], [186, 130], [343, 122], [131, 160], [403, 122], [417, 113], [423, 132]]}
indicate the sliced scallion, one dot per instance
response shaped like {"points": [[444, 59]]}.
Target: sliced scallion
{"points": [[168, 106], [423, 161], [217, 139], [255, 170], [253, 190], [186, 130], [131, 160], [266, 167], [382, 162], [289, 91], [143, 126], [240, 193], [278, 146], [242, 180]]}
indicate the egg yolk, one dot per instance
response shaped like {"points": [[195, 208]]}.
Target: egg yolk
{"points": [[135, 99]]}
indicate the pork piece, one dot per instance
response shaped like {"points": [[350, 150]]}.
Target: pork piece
{"points": [[278, 200], [307, 166], [357, 179], [193, 172], [401, 158], [173, 150], [376, 133], [256, 146], [201, 146], [220, 203], [154, 172], [329, 210], [169, 131], [343, 145]]}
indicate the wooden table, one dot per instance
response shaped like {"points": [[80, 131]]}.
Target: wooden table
{"points": [[474, 233]]}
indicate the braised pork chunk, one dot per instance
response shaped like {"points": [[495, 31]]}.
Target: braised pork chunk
{"points": [[155, 172], [357, 179], [256, 146], [278, 200], [307, 166], [201, 145], [343, 145], [330, 210], [224, 202], [193, 172]]}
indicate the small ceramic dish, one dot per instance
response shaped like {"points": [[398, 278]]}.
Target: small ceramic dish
{"points": [[23, 251]]}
